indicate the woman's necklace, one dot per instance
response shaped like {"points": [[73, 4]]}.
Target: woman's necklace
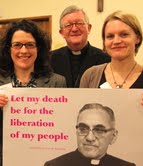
{"points": [[17, 83], [115, 82]]}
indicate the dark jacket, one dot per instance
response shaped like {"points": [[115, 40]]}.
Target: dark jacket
{"points": [[55, 81], [61, 62], [76, 159]]}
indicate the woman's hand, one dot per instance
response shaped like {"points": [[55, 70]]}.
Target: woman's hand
{"points": [[3, 100]]}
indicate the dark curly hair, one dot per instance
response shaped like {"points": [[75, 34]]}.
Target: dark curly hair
{"points": [[43, 42]]}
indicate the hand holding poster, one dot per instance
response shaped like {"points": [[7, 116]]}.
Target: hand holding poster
{"points": [[39, 124]]}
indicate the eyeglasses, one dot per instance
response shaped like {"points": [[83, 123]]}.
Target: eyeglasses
{"points": [[83, 130], [18, 45], [69, 26]]}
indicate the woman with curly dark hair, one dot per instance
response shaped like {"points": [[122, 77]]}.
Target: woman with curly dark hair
{"points": [[24, 60]]}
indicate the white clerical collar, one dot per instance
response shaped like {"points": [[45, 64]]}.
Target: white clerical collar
{"points": [[76, 52], [95, 162]]}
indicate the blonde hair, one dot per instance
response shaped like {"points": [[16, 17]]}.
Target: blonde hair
{"points": [[128, 19]]}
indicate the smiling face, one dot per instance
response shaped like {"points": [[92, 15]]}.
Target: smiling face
{"points": [[23, 58], [76, 37], [120, 40], [95, 146]]}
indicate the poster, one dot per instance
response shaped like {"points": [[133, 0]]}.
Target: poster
{"points": [[39, 124]]}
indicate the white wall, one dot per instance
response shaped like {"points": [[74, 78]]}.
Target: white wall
{"points": [[29, 8]]}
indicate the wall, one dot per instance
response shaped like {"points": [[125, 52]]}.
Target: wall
{"points": [[26, 8]]}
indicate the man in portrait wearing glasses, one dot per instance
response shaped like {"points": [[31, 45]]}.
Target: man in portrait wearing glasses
{"points": [[72, 60], [95, 132]]}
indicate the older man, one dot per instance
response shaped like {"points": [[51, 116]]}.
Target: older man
{"points": [[72, 60], [95, 132]]}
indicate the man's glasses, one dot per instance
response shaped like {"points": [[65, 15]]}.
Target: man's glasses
{"points": [[83, 130], [69, 26], [18, 45]]}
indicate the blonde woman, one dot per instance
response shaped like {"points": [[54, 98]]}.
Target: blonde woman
{"points": [[122, 37]]}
